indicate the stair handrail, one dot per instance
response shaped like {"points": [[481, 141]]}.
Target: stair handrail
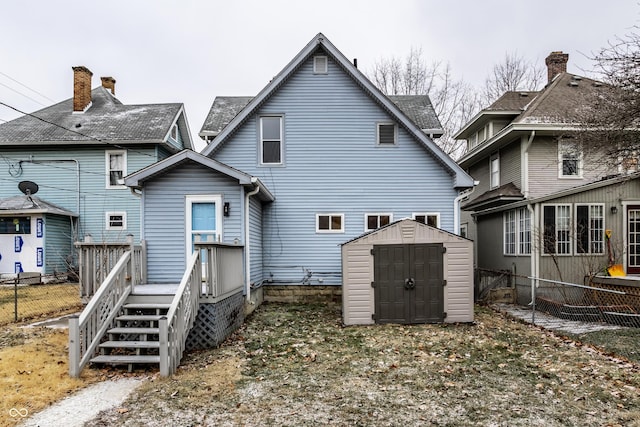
{"points": [[86, 330], [181, 315]]}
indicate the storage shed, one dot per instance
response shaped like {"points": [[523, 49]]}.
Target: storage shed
{"points": [[407, 272]]}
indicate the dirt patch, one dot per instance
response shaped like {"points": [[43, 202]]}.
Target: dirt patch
{"points": [[297, 365]]}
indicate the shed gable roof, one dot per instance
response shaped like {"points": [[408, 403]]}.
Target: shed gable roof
{"points": [[320, 42], [30, 205], [107, 120]]}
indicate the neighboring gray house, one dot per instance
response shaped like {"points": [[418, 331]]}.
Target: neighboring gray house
{"points": [[79, 150], [542, 207]]}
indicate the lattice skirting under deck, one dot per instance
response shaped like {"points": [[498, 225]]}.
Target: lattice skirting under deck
{"points": [[215, 322]]}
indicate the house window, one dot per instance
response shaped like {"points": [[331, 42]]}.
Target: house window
{"points": [[15, 225], [464, 232], [432, 219], [386, 134], [590, 229], [557, 229], [569, 159], [116, 220], [373, 221], [174, 132], [517, 232], [271, 140], [494, 165], [116, 162], [330, 223], [320, 65]]}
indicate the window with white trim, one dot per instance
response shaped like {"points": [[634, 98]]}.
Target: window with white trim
{"points": [[429, 218], [387, 133], [330, 223], [373, 221], [556, 220], [116, 220], [174, 132], [464, 232], [589, 229], [320, 64], [116, 168], [494, 168], [569, 159], [517, 232], [271, 140]]}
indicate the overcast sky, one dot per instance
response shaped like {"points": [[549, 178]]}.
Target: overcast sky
{"points": [[190, 51]]}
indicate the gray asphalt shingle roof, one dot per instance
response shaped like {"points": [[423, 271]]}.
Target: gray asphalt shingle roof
{"points": [[417, 107], [106, 120], [31, 204]]}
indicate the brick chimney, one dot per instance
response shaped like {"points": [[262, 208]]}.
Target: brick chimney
{"points": [[556, 64], [81, 88], [109, 83]]}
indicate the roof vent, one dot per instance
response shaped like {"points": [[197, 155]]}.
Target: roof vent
{"points": [[573, 83], [576, 78], [597, 84], [523, 94]]}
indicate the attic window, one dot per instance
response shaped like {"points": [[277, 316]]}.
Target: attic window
{"points": [[320, 65], [174, 132], [386, 134]]}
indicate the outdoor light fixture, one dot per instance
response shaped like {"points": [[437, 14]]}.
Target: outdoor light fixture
{"points": [[614, 209], [226, 208]]}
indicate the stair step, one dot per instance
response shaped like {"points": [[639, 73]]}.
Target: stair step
{"points": [[142, 317], [146, 306], [134, 331], [125, 360], [130, 344]]}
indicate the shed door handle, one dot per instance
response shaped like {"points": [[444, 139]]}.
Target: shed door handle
{"points": [[409, 283]]}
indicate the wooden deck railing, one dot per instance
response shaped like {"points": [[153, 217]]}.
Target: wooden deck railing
{"points": [[175, 326], [86, 330], [97, 259]]}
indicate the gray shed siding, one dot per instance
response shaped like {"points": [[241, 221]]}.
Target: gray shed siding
{"points": [[164, 216], [58, 243], [357, 267], [333, 165], [58, 184]]}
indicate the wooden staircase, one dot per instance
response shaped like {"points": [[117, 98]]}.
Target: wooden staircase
{"points": [[135, 338]]}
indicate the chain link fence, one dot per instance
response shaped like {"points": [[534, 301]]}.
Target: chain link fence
{"points": [[553, 302], [34, 296]]}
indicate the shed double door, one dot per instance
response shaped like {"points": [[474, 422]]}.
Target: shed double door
{"points": [[408, 283]]}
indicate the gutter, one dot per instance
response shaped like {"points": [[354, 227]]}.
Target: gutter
{"points": [[456, 206]]}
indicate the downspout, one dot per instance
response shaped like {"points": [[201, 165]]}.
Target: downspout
{"points": [[533, 215], [247, 240], [525, 165], [456, 206]]}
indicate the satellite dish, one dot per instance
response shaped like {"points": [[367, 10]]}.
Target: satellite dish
{"points": [[28, 187]]}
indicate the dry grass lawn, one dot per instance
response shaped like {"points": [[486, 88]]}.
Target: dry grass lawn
{"points": [[297, 365], [34, 371]]}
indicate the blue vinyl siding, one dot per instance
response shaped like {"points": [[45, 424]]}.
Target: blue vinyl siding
{"points": [[332, 164], [165, 221], [59, 185], [255, 236], [58, 243]]}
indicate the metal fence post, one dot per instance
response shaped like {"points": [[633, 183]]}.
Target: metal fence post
{"points": [[15, 299], [74, 346]]}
